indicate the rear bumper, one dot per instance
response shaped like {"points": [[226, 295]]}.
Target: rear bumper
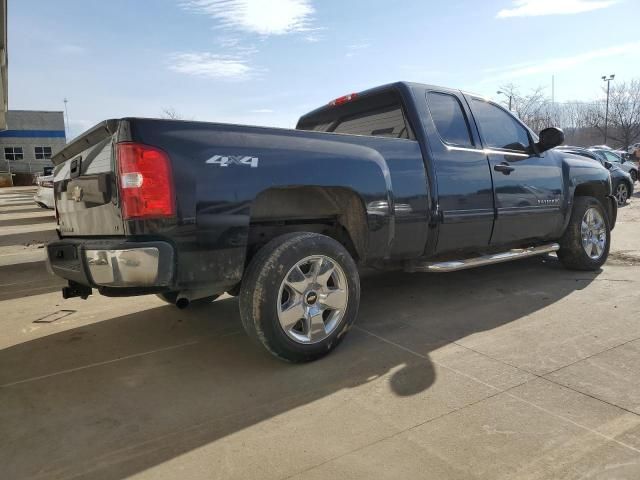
{"points": [[114, 266], [612, 210]]}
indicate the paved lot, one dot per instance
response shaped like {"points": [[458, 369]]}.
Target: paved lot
{"points": [[522, 370]]}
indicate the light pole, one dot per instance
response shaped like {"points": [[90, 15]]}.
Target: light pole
{"points": [[499, 92], [67, 127], [606, 112]]}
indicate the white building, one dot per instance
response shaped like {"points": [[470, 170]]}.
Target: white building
{"points": [[29, 141]]}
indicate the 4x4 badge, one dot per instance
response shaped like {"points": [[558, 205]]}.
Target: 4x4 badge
{"points": [[225, 161]]}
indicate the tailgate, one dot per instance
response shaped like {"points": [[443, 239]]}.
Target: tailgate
{"points": [[85, 188]]}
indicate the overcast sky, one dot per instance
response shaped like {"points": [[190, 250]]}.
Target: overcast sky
{"points": [[269, 61]]}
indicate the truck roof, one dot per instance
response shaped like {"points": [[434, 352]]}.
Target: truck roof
{"points": [[400, 86]]}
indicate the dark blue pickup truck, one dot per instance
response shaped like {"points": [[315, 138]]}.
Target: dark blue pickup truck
{"points": [[403, 176]]}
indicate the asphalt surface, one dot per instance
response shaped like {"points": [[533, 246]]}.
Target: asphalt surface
{"points": [[522, 370]]}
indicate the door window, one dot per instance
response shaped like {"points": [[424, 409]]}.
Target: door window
{"points": [[499, 129], [449, 119], [611, 157]]}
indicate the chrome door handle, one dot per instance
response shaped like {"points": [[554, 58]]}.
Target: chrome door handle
{"points": [[505, 168]]}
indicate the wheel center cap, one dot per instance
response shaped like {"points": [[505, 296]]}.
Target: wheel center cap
{"points": [[311, 298]]}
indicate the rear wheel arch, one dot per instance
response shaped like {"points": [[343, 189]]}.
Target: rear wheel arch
{"points": [[337, 212]]}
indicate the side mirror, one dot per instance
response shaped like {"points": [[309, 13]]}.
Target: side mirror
{"points": [[550, 138], [608, 165]]}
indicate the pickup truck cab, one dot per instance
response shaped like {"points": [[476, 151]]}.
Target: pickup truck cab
{"points": [[403, 176]]}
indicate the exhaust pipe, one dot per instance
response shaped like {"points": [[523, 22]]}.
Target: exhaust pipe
{"points": [[185, 297], [182, 302]]}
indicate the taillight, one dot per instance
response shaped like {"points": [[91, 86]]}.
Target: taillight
{"points": [[146, 185], [342, 100]]}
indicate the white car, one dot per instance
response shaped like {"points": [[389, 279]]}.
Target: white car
{"points": [[44, 194]]}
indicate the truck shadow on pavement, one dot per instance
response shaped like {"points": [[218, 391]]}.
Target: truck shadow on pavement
{"points": [[113, 398], [27, 279]]}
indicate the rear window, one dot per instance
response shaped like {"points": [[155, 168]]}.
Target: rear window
{"points": [[388, 122], [379, 115]]}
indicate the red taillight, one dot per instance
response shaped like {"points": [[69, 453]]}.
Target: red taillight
{"points": [[146, 186], [342, 100]]}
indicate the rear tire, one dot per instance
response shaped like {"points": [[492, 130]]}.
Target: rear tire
{"points": [[299, 296], [634, 176], [586, 241]]}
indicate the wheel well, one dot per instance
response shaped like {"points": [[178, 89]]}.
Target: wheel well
{"points": [[336, 212], [591, 190]]}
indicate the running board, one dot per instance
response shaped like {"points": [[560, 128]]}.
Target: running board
{"points": [[455, 265]]}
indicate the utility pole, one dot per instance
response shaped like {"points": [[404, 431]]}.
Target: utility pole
{"points": [[606, 114], [66, 114], [499, 92]]}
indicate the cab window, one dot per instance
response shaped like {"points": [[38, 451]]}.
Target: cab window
{"points": [[449, 118]]}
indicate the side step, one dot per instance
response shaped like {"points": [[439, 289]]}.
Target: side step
{"points": [[455, 265]]}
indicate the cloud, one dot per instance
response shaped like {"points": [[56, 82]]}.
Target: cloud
{"points": [[264, 17], [209, 65], [262, 110], [534, 8], [354, 48], [561, 63]]}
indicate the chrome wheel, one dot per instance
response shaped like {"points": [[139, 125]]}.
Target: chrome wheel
{"points": [[594, 233], [312, 299], [622, 193]]}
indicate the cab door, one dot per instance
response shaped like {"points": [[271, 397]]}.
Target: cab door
{"points": [[528, 187], [463, 176]]}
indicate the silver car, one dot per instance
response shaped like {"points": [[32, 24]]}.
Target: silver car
{"points": [[44, 194]]}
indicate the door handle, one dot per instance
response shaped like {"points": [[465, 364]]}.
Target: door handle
{"points": [[505, 168]]}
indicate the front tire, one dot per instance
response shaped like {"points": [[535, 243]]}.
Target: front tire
{"points": [[585, 244], [299, 296], [622, 193]]}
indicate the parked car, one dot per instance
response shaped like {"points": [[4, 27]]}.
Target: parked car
{"points": [[633, 148], [630, 167], [403, 176], [44, 193], [622, 183]]}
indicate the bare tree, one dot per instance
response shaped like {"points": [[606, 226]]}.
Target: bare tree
{"points": [[624, 113], [534, 108], [170, 113]]}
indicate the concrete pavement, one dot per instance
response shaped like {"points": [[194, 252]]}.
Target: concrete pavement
{"points": [[521, 370]]}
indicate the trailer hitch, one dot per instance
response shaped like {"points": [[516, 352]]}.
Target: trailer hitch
{"points": [[76, 290]]}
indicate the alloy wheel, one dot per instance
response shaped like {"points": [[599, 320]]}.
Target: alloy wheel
{"points": [[622, 193], [594, 233], [312, 299]]}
